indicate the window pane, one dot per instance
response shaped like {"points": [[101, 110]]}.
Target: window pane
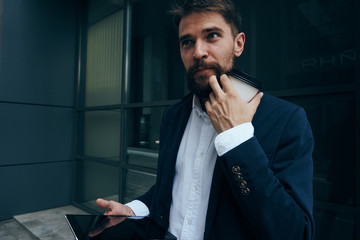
{"points": [[1, 19], [96, 180], [157, 72], [142, 157], [136, 184], [142, 136], [332, 225], [104, 60], [102, 134], [293, 44], [332, 119]]}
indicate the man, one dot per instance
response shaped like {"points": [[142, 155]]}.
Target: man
{"points": [[227, 169]]}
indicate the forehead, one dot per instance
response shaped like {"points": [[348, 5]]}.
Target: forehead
{"points": [[200, 21]]}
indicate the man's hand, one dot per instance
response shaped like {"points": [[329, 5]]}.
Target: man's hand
{"points": [[225, 108], [114, 208]]}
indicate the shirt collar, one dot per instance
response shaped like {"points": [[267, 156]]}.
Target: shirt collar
{"points": [[196, 106]]}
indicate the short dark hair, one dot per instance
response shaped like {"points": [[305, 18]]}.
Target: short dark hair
{"points": [[225, 7]]}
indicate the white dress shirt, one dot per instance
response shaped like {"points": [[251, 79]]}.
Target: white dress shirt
{"points": [[194, 168]]}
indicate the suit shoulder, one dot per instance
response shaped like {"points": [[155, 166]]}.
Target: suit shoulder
{"points": [[276, 110], [277, 106], [271, 102]]}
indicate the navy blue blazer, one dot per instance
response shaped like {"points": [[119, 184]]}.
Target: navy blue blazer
{"points": [[261, 189]]}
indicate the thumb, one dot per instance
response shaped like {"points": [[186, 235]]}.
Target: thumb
{"points": [[256, 99], [103, 203]]}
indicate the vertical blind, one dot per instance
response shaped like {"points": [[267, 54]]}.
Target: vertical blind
{"points": [[104, 61]]}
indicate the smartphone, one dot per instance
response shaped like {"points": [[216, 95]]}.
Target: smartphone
{"points": [[246, 85]]}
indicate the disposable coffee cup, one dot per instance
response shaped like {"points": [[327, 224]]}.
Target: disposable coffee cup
{"points": [[246, 86]]}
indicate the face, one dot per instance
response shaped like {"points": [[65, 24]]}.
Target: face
{"points": [[207, 48]]}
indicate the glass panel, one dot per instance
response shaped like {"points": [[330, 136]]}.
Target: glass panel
{"points": [[142, 157], [1, 19], [136, 184], [95, 180], [142, 131], [332, 119], [157, 72], [104, 60], [332, 225], [102, 134], [300, 43]]}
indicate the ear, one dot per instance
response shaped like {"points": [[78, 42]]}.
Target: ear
{"points": [[239, 44]]}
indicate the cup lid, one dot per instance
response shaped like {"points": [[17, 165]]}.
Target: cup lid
{"points": [[246, 78]]}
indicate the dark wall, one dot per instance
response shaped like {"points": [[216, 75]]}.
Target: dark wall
{"points": [[37, 89]]}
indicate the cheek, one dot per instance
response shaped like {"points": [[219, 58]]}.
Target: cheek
{"points": [[226, 55], [223, 52], [186, 60]]}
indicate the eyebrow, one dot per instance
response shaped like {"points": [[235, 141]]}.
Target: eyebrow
{"points": [[183, 37], [211, 29], [206, 30]]}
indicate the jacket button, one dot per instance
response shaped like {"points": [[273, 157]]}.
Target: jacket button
{"points": [[235, 169], [239, 177], [243, 184], [245, 191]]}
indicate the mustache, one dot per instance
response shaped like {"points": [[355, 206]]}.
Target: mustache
{"points": [[201, 89], [201, 64]]}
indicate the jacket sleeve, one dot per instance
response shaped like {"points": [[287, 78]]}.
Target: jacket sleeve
{"points": [[147, 197], [274, 193]]}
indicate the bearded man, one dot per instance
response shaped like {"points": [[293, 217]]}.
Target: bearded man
{"points": [[228, 169]]}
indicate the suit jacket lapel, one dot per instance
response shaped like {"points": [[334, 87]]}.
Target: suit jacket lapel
{"points": [[176, 127]]}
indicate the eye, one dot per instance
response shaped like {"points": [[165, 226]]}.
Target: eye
{"points": [[213, 35], [186, 42]]}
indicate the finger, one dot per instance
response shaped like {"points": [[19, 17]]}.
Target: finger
{"points": [[226, 83], [208, 103], [207, 106], [212, 97], [255, 101], [214, 84], [103, 203]]}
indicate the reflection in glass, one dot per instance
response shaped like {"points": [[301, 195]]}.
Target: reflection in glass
{"points": [[312, 45], [142, 131], [142, 157], [101, 134], [332, 119], [96, 180], [156, 69], [136, 184]]}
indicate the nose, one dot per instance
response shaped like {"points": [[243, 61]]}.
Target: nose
{"points": [[200, 50]]}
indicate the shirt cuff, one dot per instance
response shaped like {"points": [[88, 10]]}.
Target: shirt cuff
{"points": [[139, 208], [233, 137]]}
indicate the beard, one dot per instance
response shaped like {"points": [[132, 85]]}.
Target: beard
{"points": [[200, 86]]}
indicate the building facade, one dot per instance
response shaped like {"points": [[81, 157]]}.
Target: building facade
{"points": [[96, 75]]}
